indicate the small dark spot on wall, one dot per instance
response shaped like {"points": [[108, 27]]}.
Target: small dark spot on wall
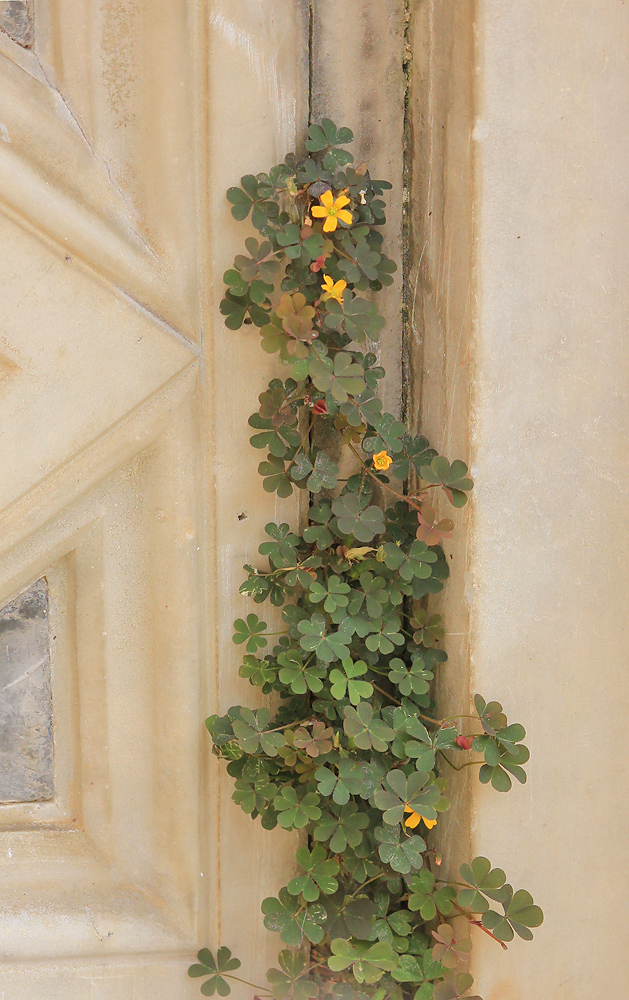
{"points": [[243, 516]]}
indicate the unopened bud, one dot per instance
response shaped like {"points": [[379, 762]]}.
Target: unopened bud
{"points": [[463, 742]]}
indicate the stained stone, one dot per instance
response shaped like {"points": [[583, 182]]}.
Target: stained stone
{"points": [[26, 747], [16, 20]]}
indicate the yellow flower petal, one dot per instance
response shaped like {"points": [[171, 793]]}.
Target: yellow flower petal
{"points": [[318, 211], [327, 199], [412, 821], [341, 201], [345, 216], [332, 289], [429, 822], [330, 224], [382, 461]]}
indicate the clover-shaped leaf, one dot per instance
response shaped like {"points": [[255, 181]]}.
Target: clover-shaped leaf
{"points": [[452, 478], [485, 880], [428, 629], [342, 377], [366, 728], [280, 915], [432, 529], [215, 968], [320, 872], [341, 827], [423, 896], [250, 731], [292, 978], [357, 519], [250, 631], [349, 916], [369, 962], [324, 473], [386, 636], [448, 950], [316, 742], [300, 676], [389, 436], [350, 780], [415, 794], [410, 680], [355, 316], [326, 134], [328, 646], [490, 714], [334, 593], [295, 813], [402, 853], [347, 682], [454, 986], [520, 914], [414, 563], [275, 477]]}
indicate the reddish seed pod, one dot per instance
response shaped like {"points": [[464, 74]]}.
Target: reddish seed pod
{"points": [[320, 407], [463, 742]]}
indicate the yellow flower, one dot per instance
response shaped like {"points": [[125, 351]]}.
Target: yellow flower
{"points": [[332, 209], [413, 820], [382, 461], [332, 289]]}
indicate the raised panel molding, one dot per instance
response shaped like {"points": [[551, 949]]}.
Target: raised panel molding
{"points": [[111, 865], [86, 355], [98, 143]]}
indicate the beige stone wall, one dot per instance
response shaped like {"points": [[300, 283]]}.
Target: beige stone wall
{"points": [[523, 163]]}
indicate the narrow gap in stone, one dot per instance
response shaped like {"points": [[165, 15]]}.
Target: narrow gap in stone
{"points": [[407, 57], [26, 740], [311, 18], [17, 21]]}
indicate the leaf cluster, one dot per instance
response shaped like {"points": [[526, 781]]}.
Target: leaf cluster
{"points": [[353, 754]]}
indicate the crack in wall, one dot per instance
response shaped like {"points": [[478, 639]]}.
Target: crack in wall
{"points": [[407, 65]]}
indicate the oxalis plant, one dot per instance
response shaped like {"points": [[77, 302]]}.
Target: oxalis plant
{"points": [[354, 756]]}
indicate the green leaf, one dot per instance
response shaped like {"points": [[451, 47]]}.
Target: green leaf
{"points": [[342, 377], [350, 780], [250, 631], [295, 813], [333, 594], [349, 916], [369, 962], [328, 646], [366, 728], [403, 853], [215, 968], [354, 518], [320, 874], [324, 474], [520, 914], [279, 915], [347, 683], [401, 794], [410, 680], [423, 896], [342, 827], [275, 477]]}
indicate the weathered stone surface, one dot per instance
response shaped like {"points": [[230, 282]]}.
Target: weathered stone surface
{"points": [[529, 172], [17, 21], [358, 81], [26, 746]]}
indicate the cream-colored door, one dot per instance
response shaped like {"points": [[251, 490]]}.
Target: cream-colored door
{"points": [[124, 519]]}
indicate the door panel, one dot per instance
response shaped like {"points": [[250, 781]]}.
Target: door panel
{"points": [[120, 412]]}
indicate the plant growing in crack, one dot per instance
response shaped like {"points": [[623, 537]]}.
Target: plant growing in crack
{"points": [[355, 756]]}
